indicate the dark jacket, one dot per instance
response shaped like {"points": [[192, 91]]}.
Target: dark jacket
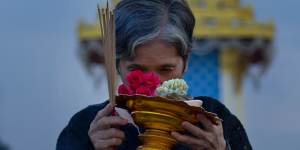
{"points": [[75, 135]]}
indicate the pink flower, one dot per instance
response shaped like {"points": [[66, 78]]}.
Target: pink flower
{"points": [[135, 79], [144, 91], [123, 89], [152, 81], [138, 82]]}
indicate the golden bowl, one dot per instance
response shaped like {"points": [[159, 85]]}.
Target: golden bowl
{"points": [[159, 117]]}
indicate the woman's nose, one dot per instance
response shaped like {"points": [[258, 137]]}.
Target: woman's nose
{"points": [[162, 79]]}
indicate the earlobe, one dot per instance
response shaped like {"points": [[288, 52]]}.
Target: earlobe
{"points": [[119, 72], [185, 68], [118, 69], [186, 64]]}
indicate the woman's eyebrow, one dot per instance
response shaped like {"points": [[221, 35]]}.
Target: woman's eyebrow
{"points": [[168, 65], [136, 66]]}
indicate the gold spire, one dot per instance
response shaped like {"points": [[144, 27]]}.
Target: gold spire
{"points": [[214, 19], [227, 19]]}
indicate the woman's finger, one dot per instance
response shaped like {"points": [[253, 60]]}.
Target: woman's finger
{"points": [[207, 124], [109, 133], [194, 130], [107, 110], [107, 122], [107, 144], [188, 140]]}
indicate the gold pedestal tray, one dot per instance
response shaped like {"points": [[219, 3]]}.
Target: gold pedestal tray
{"points": [[159, 117]]}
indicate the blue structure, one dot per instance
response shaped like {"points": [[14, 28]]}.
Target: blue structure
{"points": [[203, 74]]}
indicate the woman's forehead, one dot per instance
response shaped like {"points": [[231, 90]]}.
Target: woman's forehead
{"points": [[170, 62], [155, 50]]}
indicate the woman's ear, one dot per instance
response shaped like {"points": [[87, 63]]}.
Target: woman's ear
{"points": [[186, 64], [119, 69]]}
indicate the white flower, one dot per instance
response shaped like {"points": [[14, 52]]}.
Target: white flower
{"points": [[174, 86]]}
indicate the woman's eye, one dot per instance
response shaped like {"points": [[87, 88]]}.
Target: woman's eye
{"points": [[132, 69], [136, 68], [165, 70]]}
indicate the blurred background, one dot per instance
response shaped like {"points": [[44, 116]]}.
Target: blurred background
{"points": [[43, 81]]}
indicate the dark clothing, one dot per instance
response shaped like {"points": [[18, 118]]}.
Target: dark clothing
{"points": [[75, 135]]}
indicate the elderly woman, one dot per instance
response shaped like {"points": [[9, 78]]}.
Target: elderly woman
{"points": [[152, 35]]}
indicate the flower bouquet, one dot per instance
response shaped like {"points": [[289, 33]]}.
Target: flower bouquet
{"points": [[159, 108]]}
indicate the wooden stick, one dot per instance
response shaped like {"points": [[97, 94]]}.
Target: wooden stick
{"points": [[108, 33]]}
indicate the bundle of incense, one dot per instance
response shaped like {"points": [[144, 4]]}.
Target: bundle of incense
{"points": [[108, 33]]}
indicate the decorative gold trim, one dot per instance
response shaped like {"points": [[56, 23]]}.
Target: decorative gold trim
{"points": [[231, 21]]}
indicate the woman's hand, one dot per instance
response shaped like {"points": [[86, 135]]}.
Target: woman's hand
{"points": [[209, 138], [103, 131]]}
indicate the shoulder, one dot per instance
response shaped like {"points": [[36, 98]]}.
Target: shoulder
{"points": [[215, 106], [86, 116], [75, 134], [234, 131]]}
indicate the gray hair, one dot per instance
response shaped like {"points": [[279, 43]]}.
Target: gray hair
{"points": [[141, 21]]}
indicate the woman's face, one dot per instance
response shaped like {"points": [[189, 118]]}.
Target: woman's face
{"points": [[157, 57]]}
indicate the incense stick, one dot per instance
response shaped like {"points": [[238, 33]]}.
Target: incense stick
{"points": [[107, 26]]}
